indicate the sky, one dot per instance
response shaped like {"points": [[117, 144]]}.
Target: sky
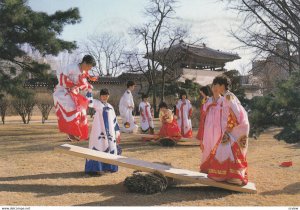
{"points": [[208, 19]]}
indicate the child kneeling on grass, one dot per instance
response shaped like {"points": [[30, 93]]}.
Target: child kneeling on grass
{"points": [[169, 127]]}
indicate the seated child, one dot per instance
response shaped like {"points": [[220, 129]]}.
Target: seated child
{"points": [[105, 134], [169, 127]]}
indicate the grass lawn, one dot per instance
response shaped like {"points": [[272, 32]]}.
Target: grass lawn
{"points": [[33, 174]]}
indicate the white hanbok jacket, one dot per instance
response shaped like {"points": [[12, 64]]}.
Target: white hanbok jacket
{"points": [[128, 121], [183, 112], [146, 119], [105, 129]]}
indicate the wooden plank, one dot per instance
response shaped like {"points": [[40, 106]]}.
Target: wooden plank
{"points": [[181, 174], [145, 135]]}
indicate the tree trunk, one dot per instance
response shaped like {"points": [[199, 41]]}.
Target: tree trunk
{"points": [[162, 98], [154, 102], [298, 62], [23, 119], [28, 117]]}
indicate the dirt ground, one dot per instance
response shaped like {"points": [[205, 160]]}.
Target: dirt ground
{"points": [[32, 174]]}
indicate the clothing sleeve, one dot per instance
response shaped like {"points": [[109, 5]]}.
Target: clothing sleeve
{"points": [[169, 116], [233, 105], [150, 113], [190, 110], [178, 109], [161, 116], [241, 127], [121, 102], [231, 112], [128, 100], [122, 106], [116, 128], [67, 70], [142, 112], [65, 81], [97, 105], [83, 83], [131, 101], [225, 114], [205, 104], [125, 102], [236, 109], [90, 98]]}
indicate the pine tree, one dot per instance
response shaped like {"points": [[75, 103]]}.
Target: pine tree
{"points": [[19, 26]]}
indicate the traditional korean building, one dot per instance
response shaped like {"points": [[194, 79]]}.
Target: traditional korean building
{"points": [[197, 56], [194, 62]]}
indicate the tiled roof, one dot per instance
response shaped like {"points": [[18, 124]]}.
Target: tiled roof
{"points": [[206, 52], [203, 52], [122, 79]]}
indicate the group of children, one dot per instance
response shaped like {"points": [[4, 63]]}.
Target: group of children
{"points": [[174, 124], [223, 127]]}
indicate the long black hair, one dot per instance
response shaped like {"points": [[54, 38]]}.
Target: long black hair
{"points": [[206, 90], [162, 105], [88, 59], [130, 83], [222, 80], [144, 96], [183, 92]]}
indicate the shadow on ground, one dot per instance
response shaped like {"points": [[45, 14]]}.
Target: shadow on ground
{"points": [[291, 189], [44, 176], [117, 194]]}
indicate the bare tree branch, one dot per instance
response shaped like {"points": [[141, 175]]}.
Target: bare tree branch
{"points": [[107, 49]]}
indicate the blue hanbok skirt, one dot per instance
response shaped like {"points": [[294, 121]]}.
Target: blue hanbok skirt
{"points": [[93, 166]]}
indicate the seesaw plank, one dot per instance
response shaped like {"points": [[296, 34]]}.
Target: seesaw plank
{"points": [[177, 173], [145, 135]]}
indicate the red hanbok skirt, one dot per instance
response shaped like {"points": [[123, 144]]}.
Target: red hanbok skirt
{"points": [[170, 130], [74, 122]]}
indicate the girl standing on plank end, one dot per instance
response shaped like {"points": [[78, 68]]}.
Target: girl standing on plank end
{"points": [[105, 134], [228, 162]]}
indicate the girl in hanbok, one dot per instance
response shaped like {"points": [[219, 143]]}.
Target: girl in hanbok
{"points": [[205, 93], [70, 105], [146, 118], [105, 134], [126, 106], [211, 129], [169, 126], [184, 114], [228, 159]]}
